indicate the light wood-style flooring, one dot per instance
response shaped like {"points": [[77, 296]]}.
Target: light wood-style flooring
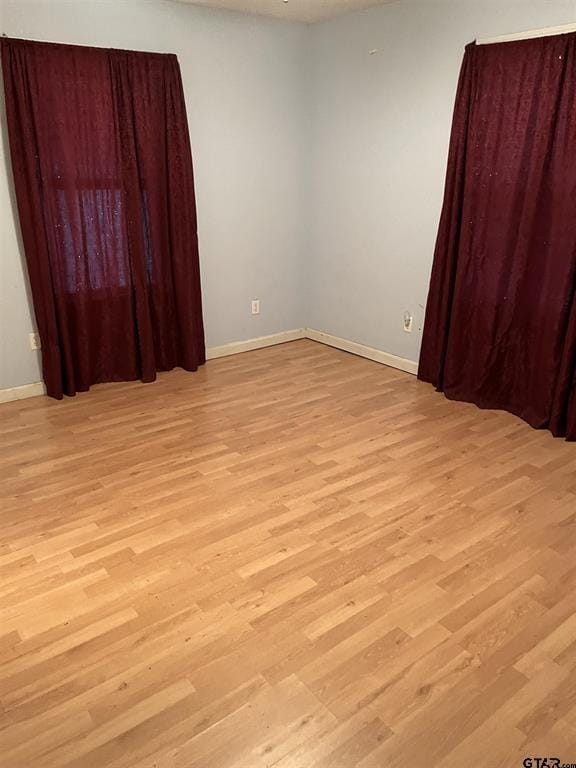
{"points": [[295, 558]]}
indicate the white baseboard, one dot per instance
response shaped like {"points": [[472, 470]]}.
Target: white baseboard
{"points": [[363, 351], [21, 393], [236, 348]]}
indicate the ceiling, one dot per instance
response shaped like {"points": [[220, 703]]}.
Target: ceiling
{"points": [[294, 10]]}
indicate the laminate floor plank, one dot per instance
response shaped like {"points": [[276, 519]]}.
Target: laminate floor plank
{"points": [[293, 558]]}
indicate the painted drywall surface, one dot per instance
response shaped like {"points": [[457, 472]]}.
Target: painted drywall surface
{"points": [[380, 128], [319, 167], [18, 363], [243, 79]]}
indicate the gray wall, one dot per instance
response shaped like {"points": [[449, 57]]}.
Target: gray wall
{"points": [[319, 168], [243, 79], [380, 131]]}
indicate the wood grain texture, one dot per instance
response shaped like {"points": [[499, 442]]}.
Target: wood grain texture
{"points": [[294, 558]]}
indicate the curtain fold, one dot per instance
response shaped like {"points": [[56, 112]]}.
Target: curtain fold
{"points": [[104, 183], [500, 327]]}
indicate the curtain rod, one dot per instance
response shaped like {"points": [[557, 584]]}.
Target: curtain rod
{"points": [[545, 32]]}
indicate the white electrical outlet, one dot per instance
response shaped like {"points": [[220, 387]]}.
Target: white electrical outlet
{"points": [[255, 306], [408, 322], [34, 339]]}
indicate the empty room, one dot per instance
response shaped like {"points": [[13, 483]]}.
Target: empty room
{"points": [[288, 384]]}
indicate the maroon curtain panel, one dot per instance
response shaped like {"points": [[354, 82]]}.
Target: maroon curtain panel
{"points": [[104, 184], [500, 328]]}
